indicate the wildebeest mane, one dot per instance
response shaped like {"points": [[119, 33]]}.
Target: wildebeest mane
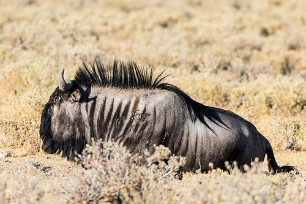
{"points": [[131, 75], [119, 74]]}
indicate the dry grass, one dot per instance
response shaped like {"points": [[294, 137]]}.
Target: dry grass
{"points": [[246, 56]]}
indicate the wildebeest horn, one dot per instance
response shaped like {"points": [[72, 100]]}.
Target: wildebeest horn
{"points": [[64, 85]]}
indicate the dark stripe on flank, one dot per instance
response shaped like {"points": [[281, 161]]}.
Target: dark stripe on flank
{"points": [[139, 132], [126, 120], [131, 117], [139, 135], [100, 120], [91, 118], [135, 105], [108, 118], [143, 127], [115, 124], [125, 110]]}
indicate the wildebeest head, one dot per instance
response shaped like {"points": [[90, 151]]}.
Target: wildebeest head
{"points": [[59, 114], [63, 129]]}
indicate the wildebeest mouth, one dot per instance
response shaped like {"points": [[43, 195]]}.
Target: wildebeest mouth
{"points": [[47, 145]]}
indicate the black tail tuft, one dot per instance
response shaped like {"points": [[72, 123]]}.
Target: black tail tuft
{"points": [[287, 169]]}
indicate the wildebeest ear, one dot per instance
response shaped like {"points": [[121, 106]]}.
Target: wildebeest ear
{"points": [[75, 96]]}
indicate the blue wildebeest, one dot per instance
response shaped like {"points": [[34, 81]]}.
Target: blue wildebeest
{"points": [[123, 102]]}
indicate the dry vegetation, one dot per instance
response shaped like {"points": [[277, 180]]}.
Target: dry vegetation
{"points": [[246, 56]]}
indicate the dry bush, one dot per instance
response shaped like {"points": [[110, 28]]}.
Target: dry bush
{"points": [[114, 175], [290, 134]]}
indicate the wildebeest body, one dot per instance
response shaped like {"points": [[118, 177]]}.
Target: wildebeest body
{"points": [[140, 117]]}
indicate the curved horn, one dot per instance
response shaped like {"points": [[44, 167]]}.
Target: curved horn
{"points": [[64, 85]]}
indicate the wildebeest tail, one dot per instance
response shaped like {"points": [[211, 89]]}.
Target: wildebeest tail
{"points": [[273, 166]]}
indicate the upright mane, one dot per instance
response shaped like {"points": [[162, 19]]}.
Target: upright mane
{"points": [[119, 74], [130, 75]]}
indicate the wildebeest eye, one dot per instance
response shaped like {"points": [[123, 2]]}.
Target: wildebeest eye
{"points": [[57, 99], [54, 98]]}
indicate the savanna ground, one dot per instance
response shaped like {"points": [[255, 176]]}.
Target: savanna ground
{"points": [[245, 56]]}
